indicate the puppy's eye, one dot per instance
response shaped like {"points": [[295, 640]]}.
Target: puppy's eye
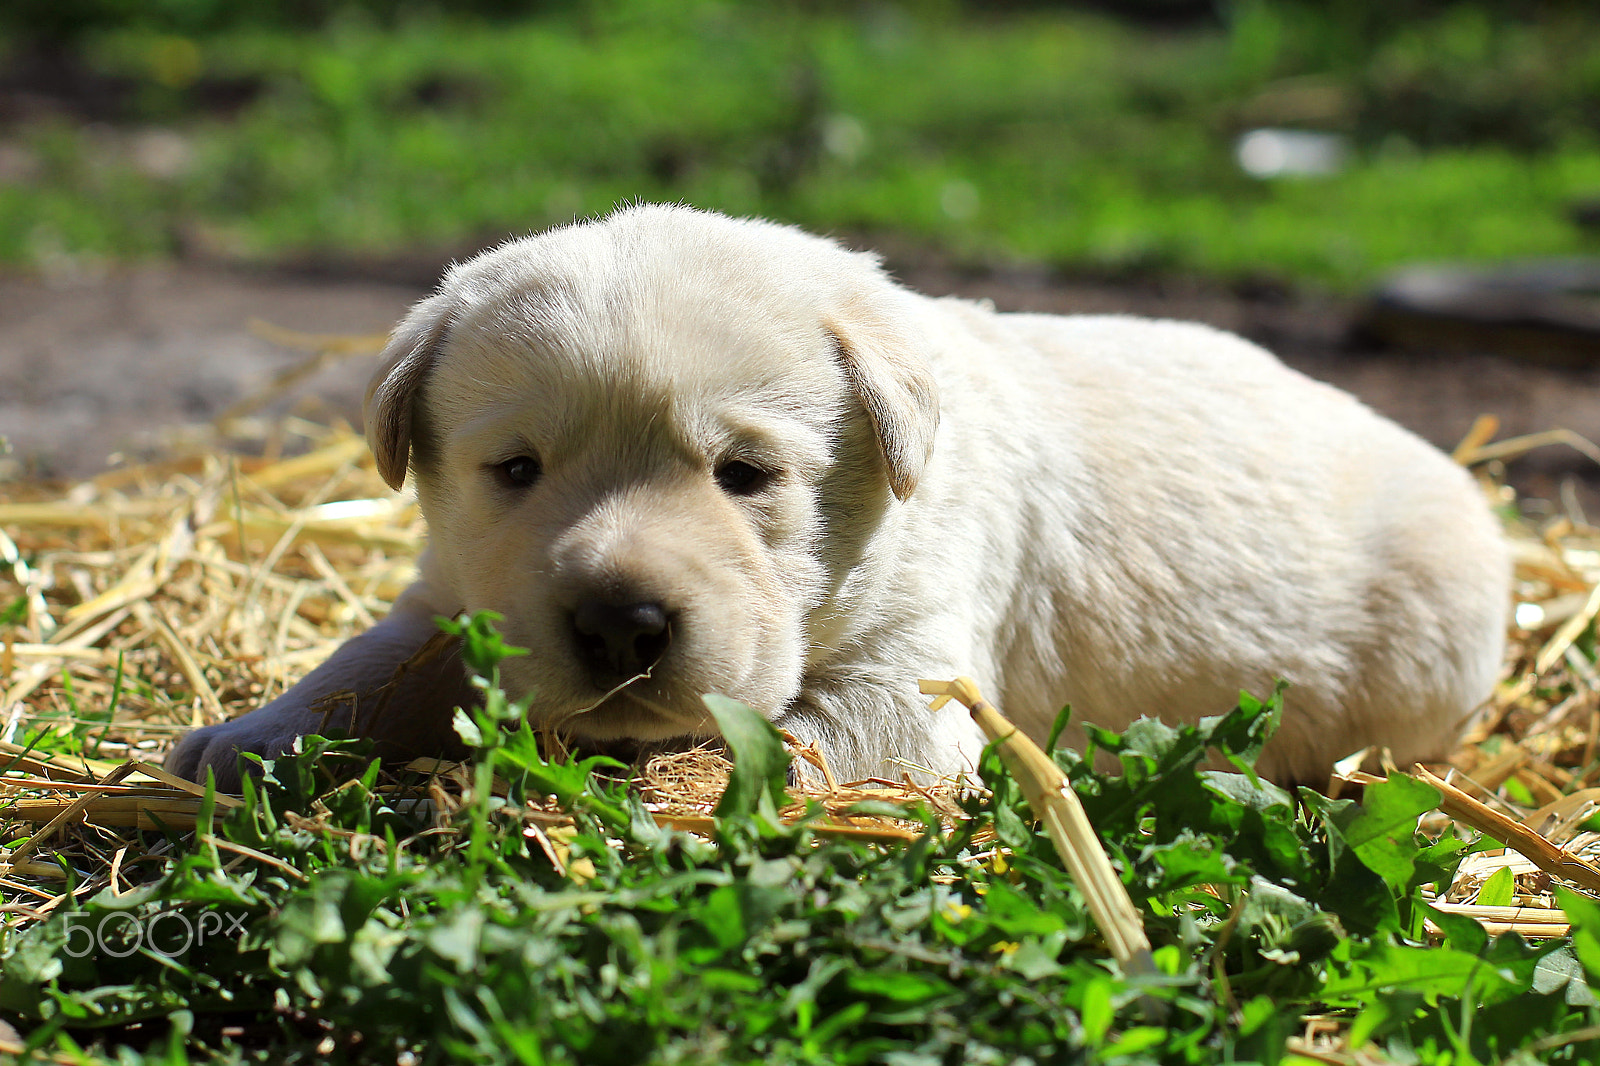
{"points": [[519, 472], [739, 478]]}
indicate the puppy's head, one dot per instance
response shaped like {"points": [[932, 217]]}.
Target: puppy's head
{"points": [[658, 444]]}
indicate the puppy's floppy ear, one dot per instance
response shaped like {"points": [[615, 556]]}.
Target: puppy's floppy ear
{"points": [[412, 350], [884, 366]]}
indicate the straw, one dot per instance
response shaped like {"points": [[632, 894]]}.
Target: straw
{"points": [[1050, 795], [245, 554]]}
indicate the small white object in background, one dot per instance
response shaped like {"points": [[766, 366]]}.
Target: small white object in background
{"points": [[844, 137], [1272, 153], [1529, 616]]}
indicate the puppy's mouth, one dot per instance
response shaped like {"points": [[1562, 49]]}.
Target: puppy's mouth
{"points": [[636, 706], [628, 712]]}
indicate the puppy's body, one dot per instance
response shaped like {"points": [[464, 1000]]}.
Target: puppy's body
{"points": [[736, 458]]}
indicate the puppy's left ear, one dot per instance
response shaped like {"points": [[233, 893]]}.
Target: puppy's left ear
{"points": [[412, 350], [886, 369]]}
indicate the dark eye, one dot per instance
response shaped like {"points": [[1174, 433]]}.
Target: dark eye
{"points": [[519, 472], [739, 478]]}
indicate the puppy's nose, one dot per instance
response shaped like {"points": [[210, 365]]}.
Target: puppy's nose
{"points": [[620, 640]]}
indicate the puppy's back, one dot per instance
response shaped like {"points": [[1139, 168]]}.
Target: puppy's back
{"points": [[1235, 521]]}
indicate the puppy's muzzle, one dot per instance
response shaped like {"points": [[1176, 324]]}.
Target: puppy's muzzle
{"points": [[619, 641]]}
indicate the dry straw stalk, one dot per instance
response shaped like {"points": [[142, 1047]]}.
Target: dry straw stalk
{"points": [[1050, 795]]}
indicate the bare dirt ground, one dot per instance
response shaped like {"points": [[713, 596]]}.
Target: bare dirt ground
{"points": [[93, 368]]}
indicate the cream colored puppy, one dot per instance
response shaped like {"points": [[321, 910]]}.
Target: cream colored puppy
{"points": [[685, 454]]}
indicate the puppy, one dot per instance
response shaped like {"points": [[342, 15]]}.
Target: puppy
{"points": [[682, 454]]}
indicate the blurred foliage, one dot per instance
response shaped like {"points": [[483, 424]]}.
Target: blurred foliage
{"points": [[57, 21], [1017, 131], [1350, 21]]}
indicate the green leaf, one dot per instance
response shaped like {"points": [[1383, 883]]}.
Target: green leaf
{"points": [[34, 960], [719, 980], [1016, 916], [1034, 960], [1461, 932], [760, 764], [14, 612], [900, 987], [1560, 971], [1057, 728], [1382, 967], [1499, 889], [455, 938], [1519, 793], [723, 918], [1584, 914], [1254, 1013], [1097, 1011], [466, 729], [1383, 834], [573, 784], [1242, 733], [305, 923], [1139, 1038], [482, 646], [1377, 1012]]}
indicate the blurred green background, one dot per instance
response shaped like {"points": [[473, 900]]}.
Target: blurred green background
{"points": [[1092, 138]]}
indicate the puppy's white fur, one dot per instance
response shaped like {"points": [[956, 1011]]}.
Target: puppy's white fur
{"points": [[1132, 517]]}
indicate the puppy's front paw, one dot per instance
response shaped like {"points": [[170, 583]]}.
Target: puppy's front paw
{"points": [[218, 747]]}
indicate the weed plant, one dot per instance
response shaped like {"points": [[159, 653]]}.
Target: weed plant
{"points": [[347, 925]]}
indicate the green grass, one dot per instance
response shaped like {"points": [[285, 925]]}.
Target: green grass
{"points": [[357, 933], [1053, 137]]}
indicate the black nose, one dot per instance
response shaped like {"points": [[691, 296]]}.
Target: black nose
{"points": [[620, 640]]}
